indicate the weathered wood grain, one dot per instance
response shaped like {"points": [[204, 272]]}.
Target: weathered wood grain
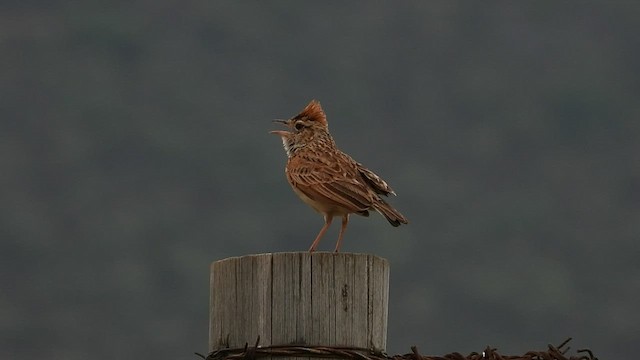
{"points": [[323, 299]]}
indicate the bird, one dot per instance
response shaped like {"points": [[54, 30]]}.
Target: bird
{"points": [[327, 179]]}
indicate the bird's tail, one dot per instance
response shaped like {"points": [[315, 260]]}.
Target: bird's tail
{"points": [[392, 215]]}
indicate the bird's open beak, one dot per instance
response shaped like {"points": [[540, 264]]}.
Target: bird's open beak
{"points": [[280, 132]]}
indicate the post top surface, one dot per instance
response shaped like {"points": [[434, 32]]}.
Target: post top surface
{"points": [[303, 254]]}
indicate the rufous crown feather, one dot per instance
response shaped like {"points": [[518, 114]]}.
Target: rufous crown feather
{"points": [[313, 112]]}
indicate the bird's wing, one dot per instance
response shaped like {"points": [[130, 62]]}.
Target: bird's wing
{"points": [[331, 182], [374, 181]]}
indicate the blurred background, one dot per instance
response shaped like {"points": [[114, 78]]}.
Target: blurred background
{"points": [[134, 151]]}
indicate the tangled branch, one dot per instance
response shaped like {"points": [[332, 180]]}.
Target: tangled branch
{"points": [[351, 353]]}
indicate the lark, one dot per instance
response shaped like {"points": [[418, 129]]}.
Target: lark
{"points": [[327, 179]]}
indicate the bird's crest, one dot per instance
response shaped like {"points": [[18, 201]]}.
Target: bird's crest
{"points": [[313, 112]]}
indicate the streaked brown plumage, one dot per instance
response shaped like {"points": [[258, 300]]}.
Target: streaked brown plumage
{"points": [[327, 179]]}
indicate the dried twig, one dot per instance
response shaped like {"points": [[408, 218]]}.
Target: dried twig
{"points": [[350, 353]]}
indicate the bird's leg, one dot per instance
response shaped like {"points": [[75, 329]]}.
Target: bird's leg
{"points": [[345, 221], [327, 222]]}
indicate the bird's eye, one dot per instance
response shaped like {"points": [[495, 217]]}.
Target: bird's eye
{"points": [[299, 126]]}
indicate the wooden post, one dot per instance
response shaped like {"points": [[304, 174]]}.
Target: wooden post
{"points": [[321, 299]]}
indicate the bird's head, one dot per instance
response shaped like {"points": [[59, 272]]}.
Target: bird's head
{"points": [[304, 128]]}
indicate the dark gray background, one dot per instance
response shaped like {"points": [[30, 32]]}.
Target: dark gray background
{"points": [[134, 151]]}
